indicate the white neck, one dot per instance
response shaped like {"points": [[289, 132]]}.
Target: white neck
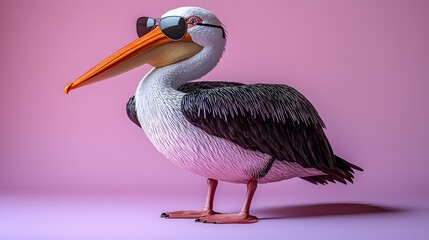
{"points": [[157, 99], [158, 103]]}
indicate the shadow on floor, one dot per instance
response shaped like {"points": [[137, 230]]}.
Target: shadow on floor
{"points": [[321, 210]]}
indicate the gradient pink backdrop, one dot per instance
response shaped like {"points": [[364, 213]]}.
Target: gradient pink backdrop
{"points": [[363, 64]]}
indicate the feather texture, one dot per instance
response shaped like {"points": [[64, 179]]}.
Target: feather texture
{"points": [[273, 119], [293, 135]]}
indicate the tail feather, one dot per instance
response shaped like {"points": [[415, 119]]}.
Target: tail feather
{"points": [[342, 172]]}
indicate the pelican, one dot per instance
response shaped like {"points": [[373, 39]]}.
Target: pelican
{"points": [[223, 131]]}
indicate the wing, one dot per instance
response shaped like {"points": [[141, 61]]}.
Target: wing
{"points": [[273, 119], [131, 111]]}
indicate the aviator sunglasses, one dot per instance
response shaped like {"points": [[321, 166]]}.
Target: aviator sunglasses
{"points": [[173, 27]]}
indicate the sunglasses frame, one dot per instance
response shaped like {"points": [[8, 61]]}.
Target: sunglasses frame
{"points": [[157, 21]]}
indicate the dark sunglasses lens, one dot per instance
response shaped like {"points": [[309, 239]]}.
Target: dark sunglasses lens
{"points": [[144, 25], [173, 27]]}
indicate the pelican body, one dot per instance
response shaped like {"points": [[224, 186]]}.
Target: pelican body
{"points": [[223, 131]]}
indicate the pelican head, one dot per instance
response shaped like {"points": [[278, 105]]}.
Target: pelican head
{"points": [[190, 37]]}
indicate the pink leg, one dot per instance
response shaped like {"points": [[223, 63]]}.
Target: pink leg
{"points": [[207, 210], [242, 217]]}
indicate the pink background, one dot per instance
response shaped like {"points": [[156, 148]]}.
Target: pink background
{"points": [[363, 64]]}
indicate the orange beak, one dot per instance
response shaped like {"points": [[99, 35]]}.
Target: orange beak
{"points": [[153, 48]]}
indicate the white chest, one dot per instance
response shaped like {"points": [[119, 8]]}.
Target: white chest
{"points": [[159, 113]]}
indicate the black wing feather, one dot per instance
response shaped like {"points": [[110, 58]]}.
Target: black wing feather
{"points": [[273, 119], [131, 111], [191, 86]]}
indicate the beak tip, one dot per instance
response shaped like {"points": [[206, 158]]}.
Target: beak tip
{"points": [[67, 88]]}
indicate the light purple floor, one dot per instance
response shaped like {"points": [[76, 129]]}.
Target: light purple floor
{"points": [[138, 217]]}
